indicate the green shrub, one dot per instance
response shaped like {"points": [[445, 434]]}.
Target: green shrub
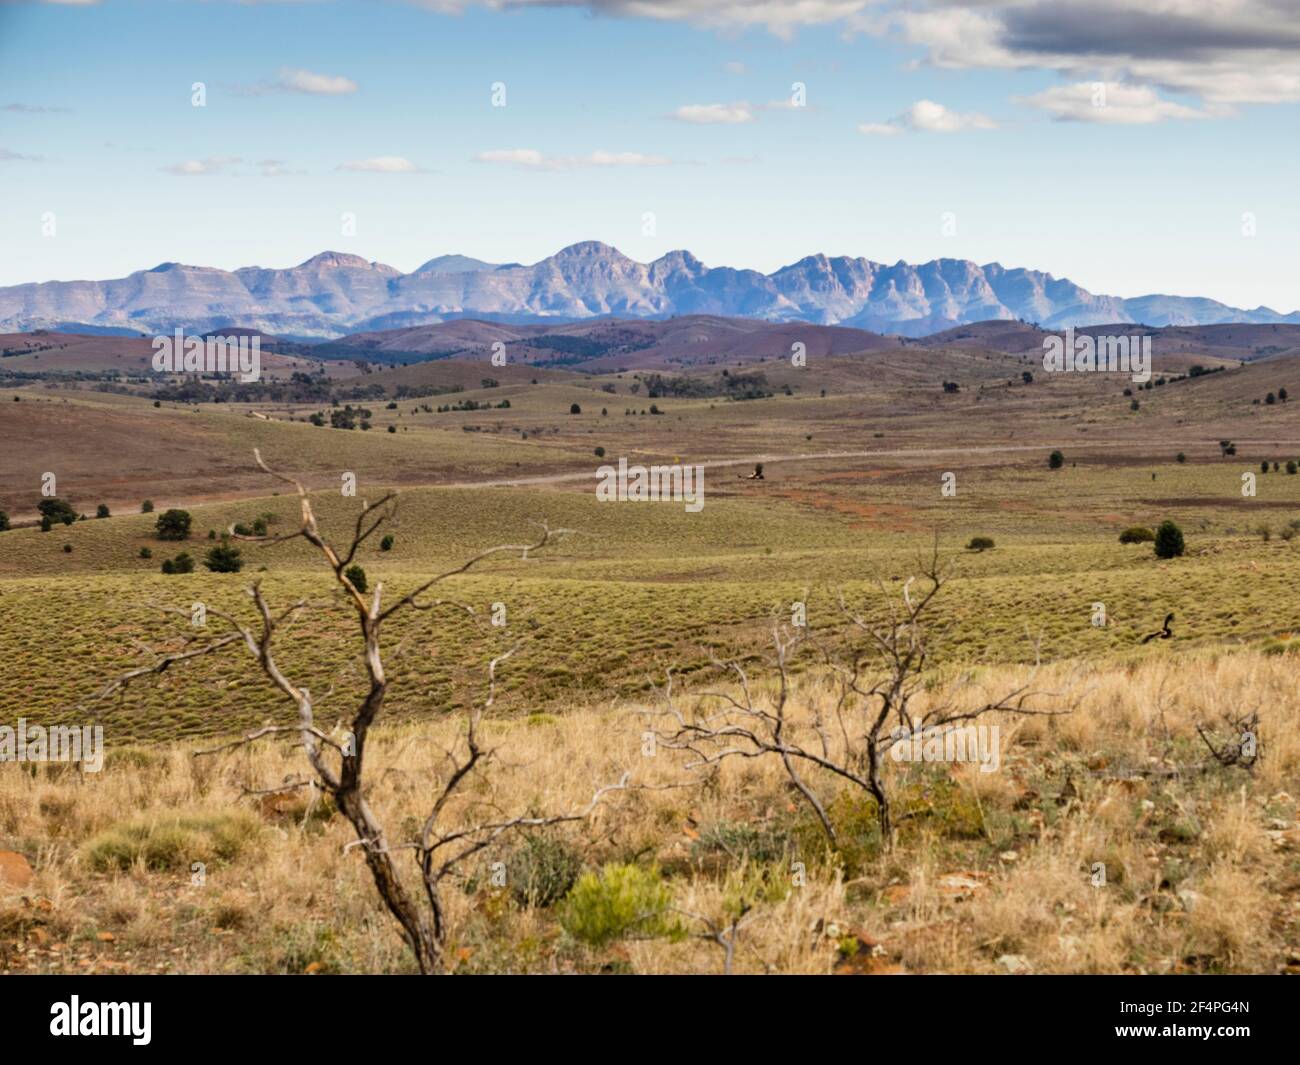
{"points": [[55, 509], [619, 899], [1055, 460], [357, 576], [1137, 534], [4, 521], [541, 871], [102, 511], [182, 563], [386, 544], [146, 507], [146, 553], [173, 525], [173, 842], [980, 543], [1169, 540]]}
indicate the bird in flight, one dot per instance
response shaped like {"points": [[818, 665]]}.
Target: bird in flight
{"points": [[1164, 632]]}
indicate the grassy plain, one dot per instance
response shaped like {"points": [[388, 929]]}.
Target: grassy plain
{"points": [[851, 497]]}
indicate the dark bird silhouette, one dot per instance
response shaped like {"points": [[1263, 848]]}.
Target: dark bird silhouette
{"points": [[1164, 632]]}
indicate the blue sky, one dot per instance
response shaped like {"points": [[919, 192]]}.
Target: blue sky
{"points": [[914, 114]]}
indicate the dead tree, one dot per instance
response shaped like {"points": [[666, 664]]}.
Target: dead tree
{"points": [[877, 676], [340, 767]]}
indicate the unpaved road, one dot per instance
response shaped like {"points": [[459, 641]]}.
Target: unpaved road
{"points": [[1164, 446]]}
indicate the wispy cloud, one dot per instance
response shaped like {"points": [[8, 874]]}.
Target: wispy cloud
{"points": [[206, 167], [1109, 102], [277, 168], [382, 164], [305, 82], [35, 109], [8, 156], [530, 158], [715, 114], [926, 116]]}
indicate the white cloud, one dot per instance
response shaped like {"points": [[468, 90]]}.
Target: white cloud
{"points": [[382, 164], [1108, 102], [929, 116], [926, 116], [533, 159], [8, 156], [306, 81], [735, 68], [212, 164], [715, 114]]}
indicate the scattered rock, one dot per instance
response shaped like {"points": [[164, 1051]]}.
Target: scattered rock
{"points": [[1015, 964], [961, 885]]}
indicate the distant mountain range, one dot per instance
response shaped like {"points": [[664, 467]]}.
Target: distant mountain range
{"points": [[334, 294]]}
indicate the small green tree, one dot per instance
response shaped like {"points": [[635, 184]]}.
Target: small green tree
{"points": [[224, 558], [146, 507], [4, 521], [980, 543], [1055, 460], [386, 544], [173, 525], [574, 409], [102, 511], [1169, 540], [1180, 458]]}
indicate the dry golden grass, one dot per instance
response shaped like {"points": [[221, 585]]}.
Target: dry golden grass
{"points": [[993, 871]]}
